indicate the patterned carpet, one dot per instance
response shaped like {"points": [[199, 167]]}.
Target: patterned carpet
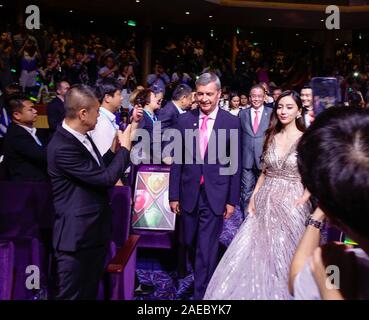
{"points": [[162, 275]]}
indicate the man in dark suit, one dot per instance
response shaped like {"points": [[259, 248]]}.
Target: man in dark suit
{"points": [[24, 153], [168, 115], [55, 109], [181, 101], [80, 178], [206, 192], [254, 121]]}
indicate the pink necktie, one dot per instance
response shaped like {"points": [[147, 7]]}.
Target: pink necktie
{"points": [[203, 140], [256, 122]]}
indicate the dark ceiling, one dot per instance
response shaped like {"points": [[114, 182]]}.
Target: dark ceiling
{"points": [[174, 12]]}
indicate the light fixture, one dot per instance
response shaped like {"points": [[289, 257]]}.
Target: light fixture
{"points": [[251, 32], [269, 19], [162, 28], [137, 1], [91, 21], [187, 12], [210, 17], [1, 5], [345, 44], [337, 39], [297, 34], [322, 20], [70, 11]]}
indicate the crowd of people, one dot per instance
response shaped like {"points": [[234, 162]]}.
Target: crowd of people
{"points": [[272, 143]]}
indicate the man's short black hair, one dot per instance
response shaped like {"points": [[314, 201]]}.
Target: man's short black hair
{"points": [[182, 90], [107, 86], [307, 86], [14, 103], [333, 159]]}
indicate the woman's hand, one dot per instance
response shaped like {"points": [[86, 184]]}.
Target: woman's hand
{"points": [[305, 197], [251, 207]]}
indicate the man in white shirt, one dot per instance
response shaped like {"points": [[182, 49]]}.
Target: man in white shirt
{"points": [[109, 94]]}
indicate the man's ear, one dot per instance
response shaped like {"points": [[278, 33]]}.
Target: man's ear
{"points": [[16, 115], [107, 98], [82, 113]]}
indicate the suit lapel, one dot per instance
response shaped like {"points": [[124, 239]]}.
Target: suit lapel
{"points": [[193, 123], [249, 121], [213, 135], [264, 121], [97, 152], [79, 144]]}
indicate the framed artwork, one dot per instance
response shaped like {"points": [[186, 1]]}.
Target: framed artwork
{"points": [[151, 209]]}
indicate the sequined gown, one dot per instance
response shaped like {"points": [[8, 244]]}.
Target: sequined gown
{"points": [[256, 264]]}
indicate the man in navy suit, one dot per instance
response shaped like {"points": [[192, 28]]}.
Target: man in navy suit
{"points": [[254, 121], [206, 192], [181, 101], [168, 115], [80, 179]]}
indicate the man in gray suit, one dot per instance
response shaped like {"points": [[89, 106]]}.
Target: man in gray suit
{"points": [[254, 122]]}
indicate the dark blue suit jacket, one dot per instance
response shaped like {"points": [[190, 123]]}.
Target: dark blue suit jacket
{"points": [[168, 115], [185, 178], [80, 190]]}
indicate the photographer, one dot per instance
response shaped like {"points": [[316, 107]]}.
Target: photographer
{"points": [[336, 149]]}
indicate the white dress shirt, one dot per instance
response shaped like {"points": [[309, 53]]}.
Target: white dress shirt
{"points": [[211, 120], [105, 130], [32, 132], [83, 139], [253, 114]]}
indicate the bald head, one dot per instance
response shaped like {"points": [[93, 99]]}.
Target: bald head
{"points": [[77, 98]]}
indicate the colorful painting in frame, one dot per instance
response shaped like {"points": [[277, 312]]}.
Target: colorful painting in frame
{"points": [[151, 209]]}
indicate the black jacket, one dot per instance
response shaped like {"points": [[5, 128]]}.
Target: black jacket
{"points": [[80, 190], [25, 160]]}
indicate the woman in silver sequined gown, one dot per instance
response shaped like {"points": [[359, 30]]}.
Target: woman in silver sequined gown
{"points": [[256, 264]]}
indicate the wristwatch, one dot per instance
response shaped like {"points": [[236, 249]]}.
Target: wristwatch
{"points": [[315, 223]]}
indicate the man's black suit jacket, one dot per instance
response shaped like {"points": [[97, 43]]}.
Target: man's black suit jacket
{"points": [[80, 189], [25, 160]]}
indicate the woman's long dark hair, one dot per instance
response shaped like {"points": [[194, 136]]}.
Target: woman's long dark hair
{"points": [[275, 126]]}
